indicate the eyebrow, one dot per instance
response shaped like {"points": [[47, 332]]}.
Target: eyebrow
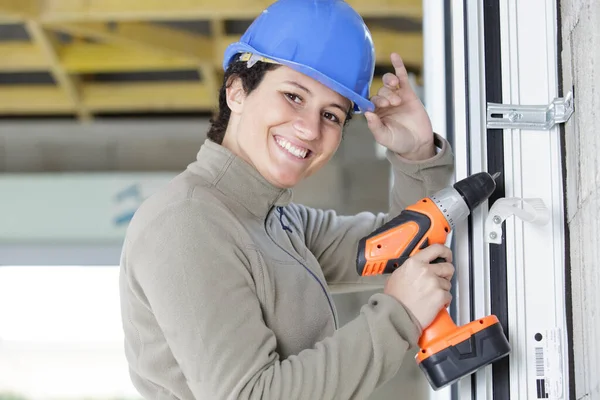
{"points": [[299, 86]]}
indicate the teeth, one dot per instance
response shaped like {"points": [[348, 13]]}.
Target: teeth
{"points": [[296, 151]]}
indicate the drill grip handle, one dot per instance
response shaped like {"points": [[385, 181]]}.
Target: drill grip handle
{"points": [[415, 228]]}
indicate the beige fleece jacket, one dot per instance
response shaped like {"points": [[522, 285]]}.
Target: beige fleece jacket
{"points": [[224, 288]]}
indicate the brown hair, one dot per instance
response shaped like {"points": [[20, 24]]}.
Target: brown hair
{"points": [[251, 78]]}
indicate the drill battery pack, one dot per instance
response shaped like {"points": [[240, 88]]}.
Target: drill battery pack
{"points": [[456, 361]]}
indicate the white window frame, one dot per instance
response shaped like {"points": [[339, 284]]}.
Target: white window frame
{"points": [[535, 254], [434, 93], [463, 15], [470, 149]]}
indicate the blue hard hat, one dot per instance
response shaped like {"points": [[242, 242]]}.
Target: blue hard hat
{"points": [[326, 40]]}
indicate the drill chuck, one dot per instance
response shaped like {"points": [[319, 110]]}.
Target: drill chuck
{"points": [[457, 202], [476, 188]]}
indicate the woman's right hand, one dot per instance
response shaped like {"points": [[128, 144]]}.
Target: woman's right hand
{"points": [[423, 288]]}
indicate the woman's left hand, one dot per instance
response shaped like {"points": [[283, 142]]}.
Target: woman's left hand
{"points": [[400, 121]]}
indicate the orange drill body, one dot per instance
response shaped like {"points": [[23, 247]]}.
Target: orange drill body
{"points": [[447, 352], [417, 227]]}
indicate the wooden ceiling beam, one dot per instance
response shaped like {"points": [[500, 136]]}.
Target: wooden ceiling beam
{"points": [[135, 10], [69, 84], [18, 56]]}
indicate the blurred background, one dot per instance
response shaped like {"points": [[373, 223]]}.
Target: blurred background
{"points": [[101, 103]]}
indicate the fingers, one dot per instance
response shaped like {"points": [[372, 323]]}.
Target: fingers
{"points": [[443, 270], [393, 85], [380, 101], [434, 251], [390, 80], [444, 284], [442, 294], [387, 95], [400, 69], [373, 121], [423, 287], [446, 299], [390, 95]]}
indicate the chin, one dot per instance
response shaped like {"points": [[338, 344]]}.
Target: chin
{"points": [[284, 180], [286, 183]]}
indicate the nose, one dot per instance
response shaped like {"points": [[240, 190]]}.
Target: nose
{"points": [[307, 126]]}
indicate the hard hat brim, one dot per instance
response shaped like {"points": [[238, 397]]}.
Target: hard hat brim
{"points": [[361, 104]]}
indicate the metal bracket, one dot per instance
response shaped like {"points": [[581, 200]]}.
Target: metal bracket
{"points": [[542, 117]]}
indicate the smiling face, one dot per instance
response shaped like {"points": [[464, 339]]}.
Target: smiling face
{"points": [[288, 127]]}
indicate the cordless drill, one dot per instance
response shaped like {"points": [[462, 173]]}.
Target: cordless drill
{"points": [[447, 352]]}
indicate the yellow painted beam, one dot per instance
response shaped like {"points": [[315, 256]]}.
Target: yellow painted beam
{"points": [[82, 58], [16, 56], [20, 9], [87, 57], [210, 78], [201, 49], [408, 44], [109, 98], [49, 46], [163, 96], [221, 43], [33, 99], [6, 19], [115, 97], [211, 70], [130, 10], [389, 8], [145, 36]]}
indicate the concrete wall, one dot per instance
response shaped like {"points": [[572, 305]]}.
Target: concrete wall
{"points": [[355, 179], [581, 70]]}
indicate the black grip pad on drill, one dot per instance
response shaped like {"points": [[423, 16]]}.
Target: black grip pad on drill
{"points": [[455, 362]]}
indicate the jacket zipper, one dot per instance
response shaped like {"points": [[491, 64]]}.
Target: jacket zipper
{"points": [[335, 322]]}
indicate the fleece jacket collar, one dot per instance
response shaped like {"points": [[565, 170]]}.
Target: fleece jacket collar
{"points": [[238, 180]]}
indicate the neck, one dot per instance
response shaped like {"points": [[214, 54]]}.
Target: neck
{"points": [[231, 142], [229, 139]]}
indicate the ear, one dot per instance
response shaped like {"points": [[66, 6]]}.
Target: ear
{"points": [[235, 94]]}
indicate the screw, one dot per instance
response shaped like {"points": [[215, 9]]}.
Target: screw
{"points": [[514, 116], [497, 219], [493, 235]]}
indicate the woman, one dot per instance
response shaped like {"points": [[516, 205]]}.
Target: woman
{"points": [[224, 279]]}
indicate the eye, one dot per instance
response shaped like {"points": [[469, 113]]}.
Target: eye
{"points": [[331, 117], [294, 97]]}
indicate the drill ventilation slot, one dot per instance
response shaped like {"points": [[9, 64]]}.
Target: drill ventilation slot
{"points": [[531, 210]]}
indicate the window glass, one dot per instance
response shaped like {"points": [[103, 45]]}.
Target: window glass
{"points": [[60, 334]]}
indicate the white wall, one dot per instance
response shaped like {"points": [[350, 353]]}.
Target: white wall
{"points": [[72, 208], [581, 69]]}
